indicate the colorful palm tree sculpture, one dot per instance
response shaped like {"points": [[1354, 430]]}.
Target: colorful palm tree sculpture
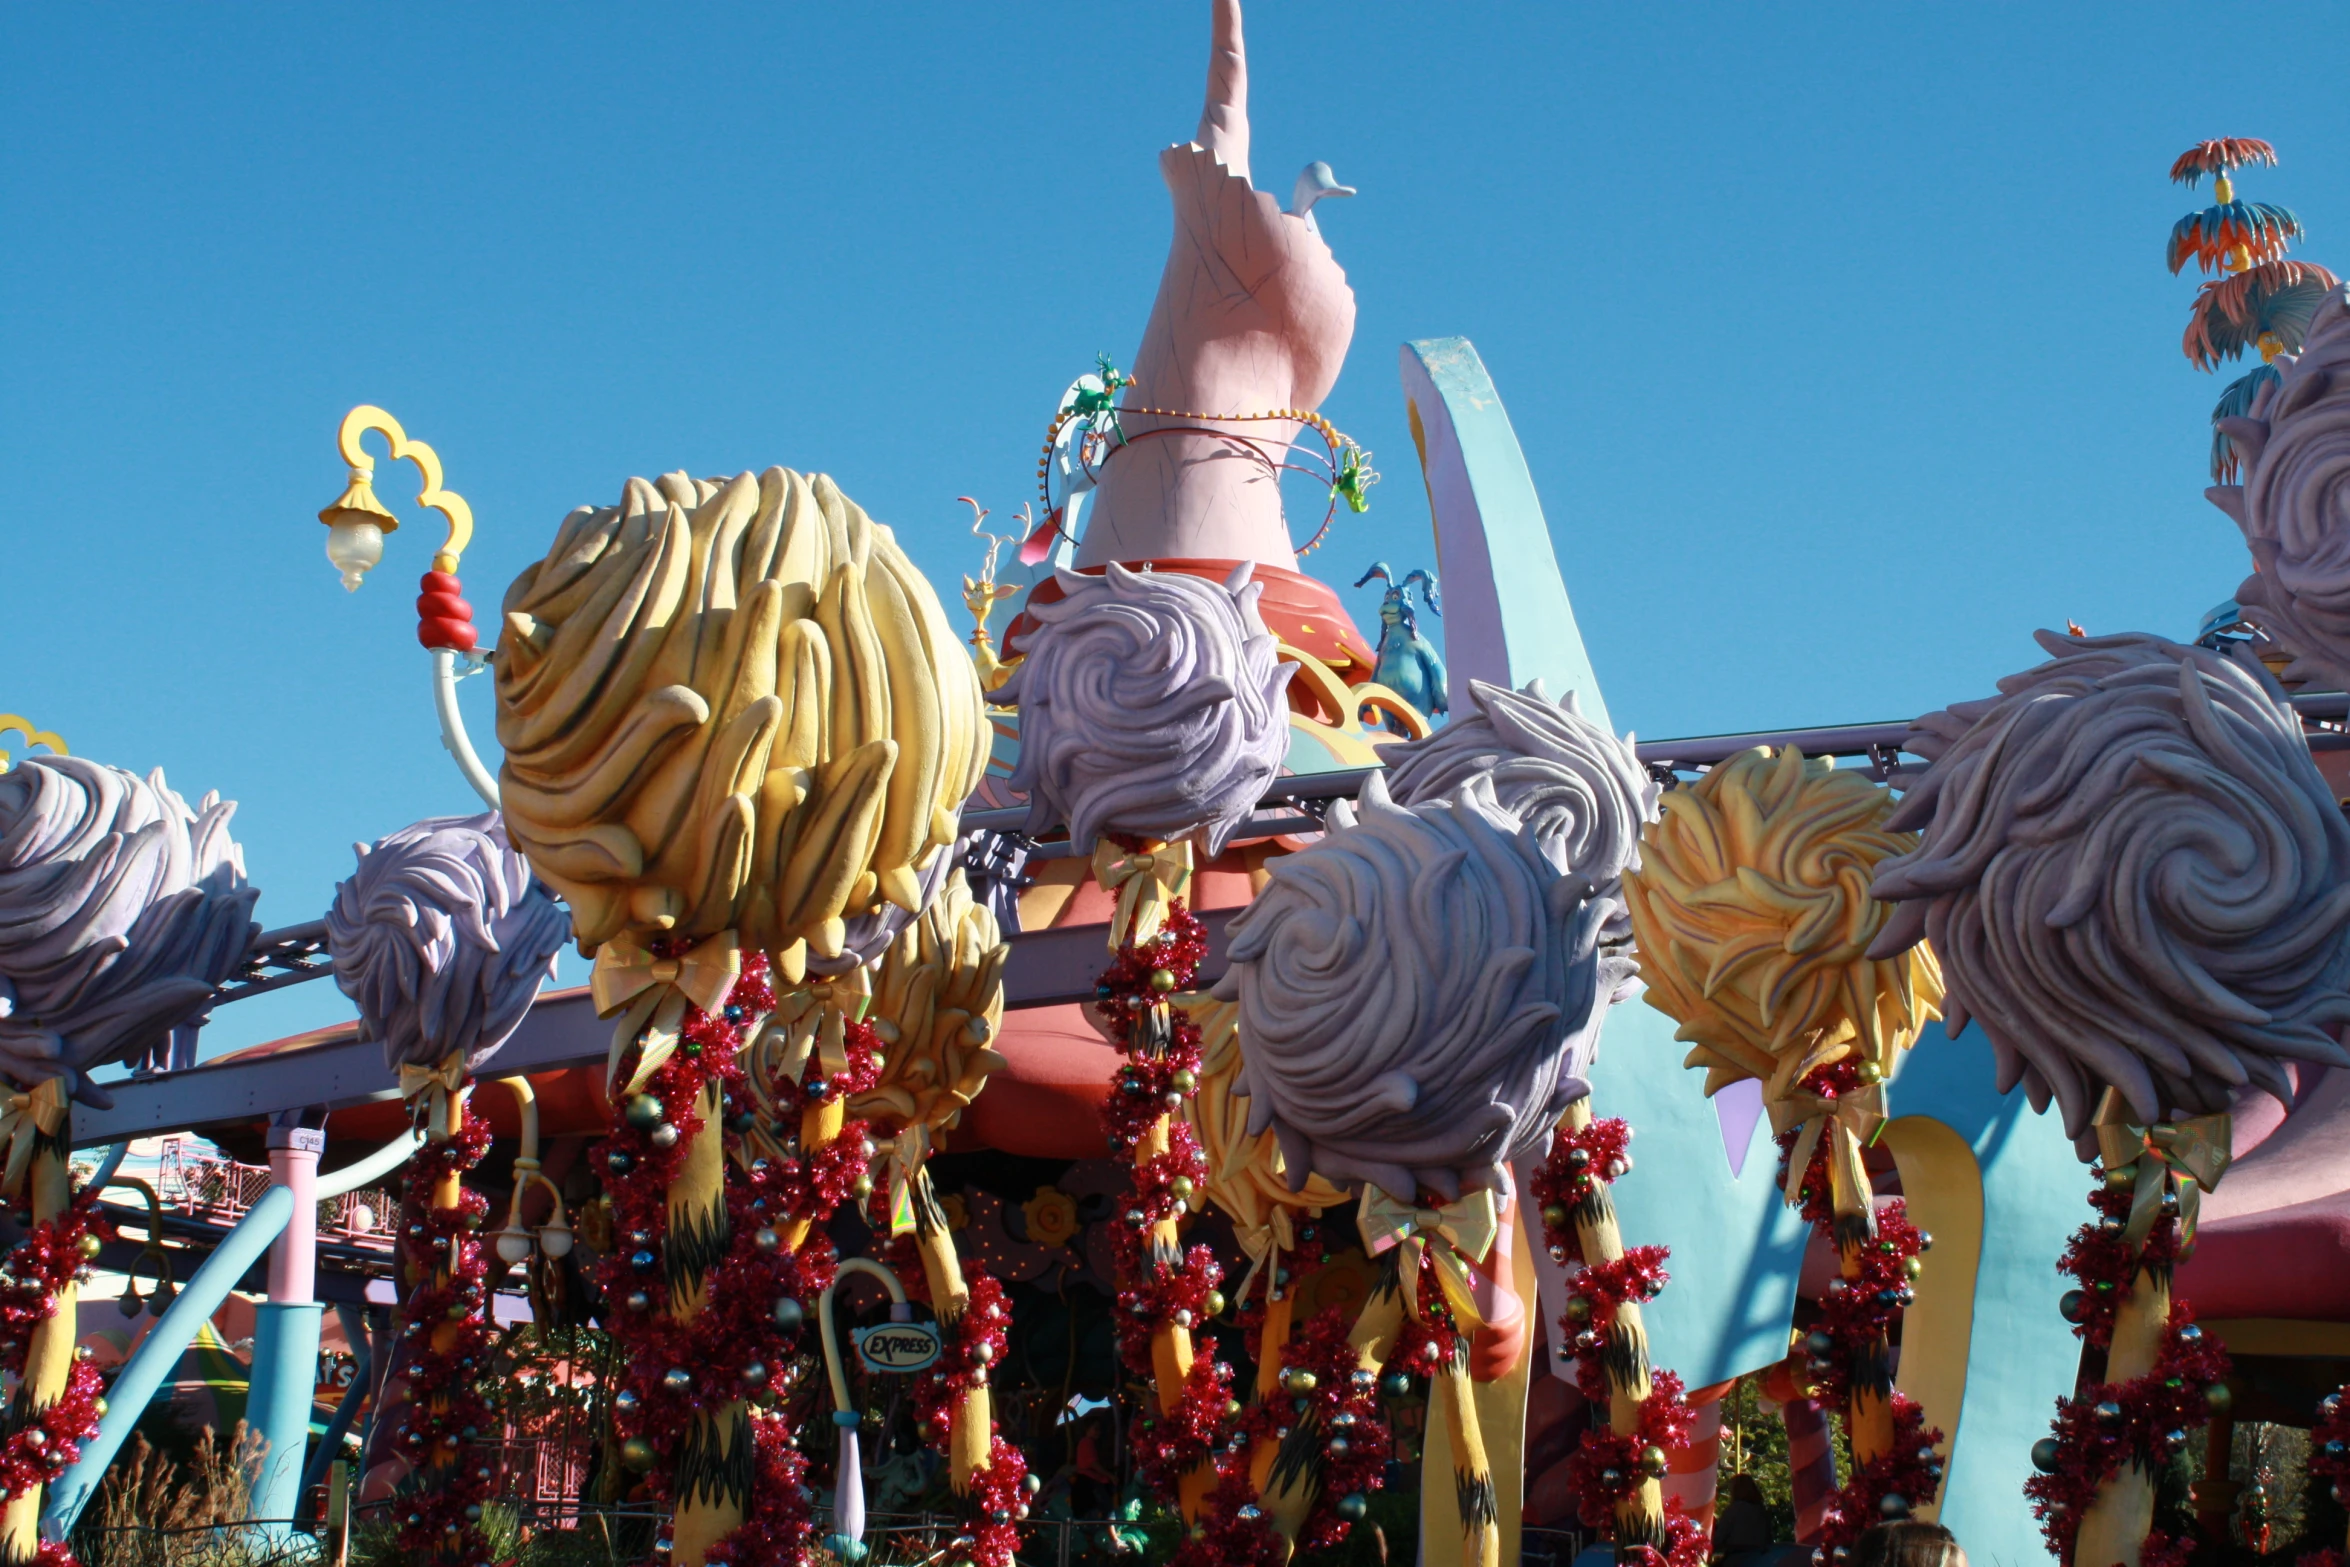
{"points": [[2254, 297]]}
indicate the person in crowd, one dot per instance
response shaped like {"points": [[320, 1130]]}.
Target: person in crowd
{"points": [[1743, 1523], [1908, 1543]]}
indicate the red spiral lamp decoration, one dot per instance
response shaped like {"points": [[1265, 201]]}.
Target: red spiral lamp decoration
{"points": [[443, 618]]}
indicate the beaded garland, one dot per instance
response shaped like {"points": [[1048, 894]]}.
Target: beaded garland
{"points": [[1608, 1467], [2145, 1420], [1854, 1324], [42, 1445], [1162, 1050], [448, 1343], [2329, 1452], [970, 1350], [758, 1296]]}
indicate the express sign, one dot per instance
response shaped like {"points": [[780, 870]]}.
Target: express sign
{"points": [[898, 1346]]}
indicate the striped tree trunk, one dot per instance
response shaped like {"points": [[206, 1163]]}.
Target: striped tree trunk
{"points": [[1640, 1517], [713, 1480], [49, 1355]]}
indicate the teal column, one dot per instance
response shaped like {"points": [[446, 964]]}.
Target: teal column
{"points": [[1507, 617], [285, 1331], [285, 1374], [135, 1385]]}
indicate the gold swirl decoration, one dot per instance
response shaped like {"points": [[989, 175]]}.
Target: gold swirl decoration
{"points": [[938, 1002], [1247, 1176], [733, 704], [1752, 912]]}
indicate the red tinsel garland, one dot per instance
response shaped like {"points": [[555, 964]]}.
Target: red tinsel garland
{"points": [[1910, 1472], [2329, 1449], [1162, 1050], [757, 1297], [970, 1351], [2100, 1258], [54, 1253], [2145, 1420], [1607, 1467], [1324, 1395], [448, 1352], [1855, 1321]]}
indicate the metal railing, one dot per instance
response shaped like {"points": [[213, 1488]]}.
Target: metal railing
{"points": [[621, 1535]]}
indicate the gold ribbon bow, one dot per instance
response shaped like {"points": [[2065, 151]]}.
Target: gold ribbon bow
{"points": [[1263, 1249], [1857, 1118], [2196, 1151], [25, 1118], [815, 1021], [1146, 883], [1457, 1235], [442, 1081], [651, 994]]}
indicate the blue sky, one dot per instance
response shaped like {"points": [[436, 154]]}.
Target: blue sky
{"points": [[1838, 340]]}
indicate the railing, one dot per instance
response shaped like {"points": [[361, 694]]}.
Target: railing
{"points": [[217, 1191], [621, 1536]]}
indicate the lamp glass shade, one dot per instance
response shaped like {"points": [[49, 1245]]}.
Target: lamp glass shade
{"points": [[555, 1240], [354, 545], [514, 1245]]}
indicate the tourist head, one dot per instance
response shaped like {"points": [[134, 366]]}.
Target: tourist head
{"points": [[1908, 1543]]}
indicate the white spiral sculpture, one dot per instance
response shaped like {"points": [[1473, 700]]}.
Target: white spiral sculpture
{"points": [[1417, 991], [1581, 790], [120, 911], [2294, 503], [2134, 877], [1151, 704], [442, 940]]}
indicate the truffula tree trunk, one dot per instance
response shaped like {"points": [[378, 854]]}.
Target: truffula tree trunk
{"points": [[973, 1420], [2115, 1526], [48, 1362], [1640, 1517], [713, 1478]]}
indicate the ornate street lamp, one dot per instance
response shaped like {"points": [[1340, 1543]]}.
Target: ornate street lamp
{"points": [[356, 524]]}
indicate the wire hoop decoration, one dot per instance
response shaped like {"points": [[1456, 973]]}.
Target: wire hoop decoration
{"points": [[1345, 467]]}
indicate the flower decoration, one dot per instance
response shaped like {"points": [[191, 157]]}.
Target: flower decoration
{"points": [[1415, 991], [1051, 1216]]}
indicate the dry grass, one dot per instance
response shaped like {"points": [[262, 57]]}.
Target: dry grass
{"points": [[156, 1509]]}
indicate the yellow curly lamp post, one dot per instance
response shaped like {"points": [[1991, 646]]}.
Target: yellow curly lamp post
{"points": [[1752, 911], [356, 523], [15, 724]]}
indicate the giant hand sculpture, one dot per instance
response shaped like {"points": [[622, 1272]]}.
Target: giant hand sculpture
{"points": [[1253, 314], [442, 940], [120, 909]]}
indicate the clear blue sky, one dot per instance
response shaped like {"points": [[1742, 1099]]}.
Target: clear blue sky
{"points": [[1838, 339]]}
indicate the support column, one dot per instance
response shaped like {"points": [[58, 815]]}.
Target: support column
{"points": [[285, 1330]]}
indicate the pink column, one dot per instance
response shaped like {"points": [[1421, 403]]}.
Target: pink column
{"points": [[1811, 1464], [1691, 1477], [293, 1262]]}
